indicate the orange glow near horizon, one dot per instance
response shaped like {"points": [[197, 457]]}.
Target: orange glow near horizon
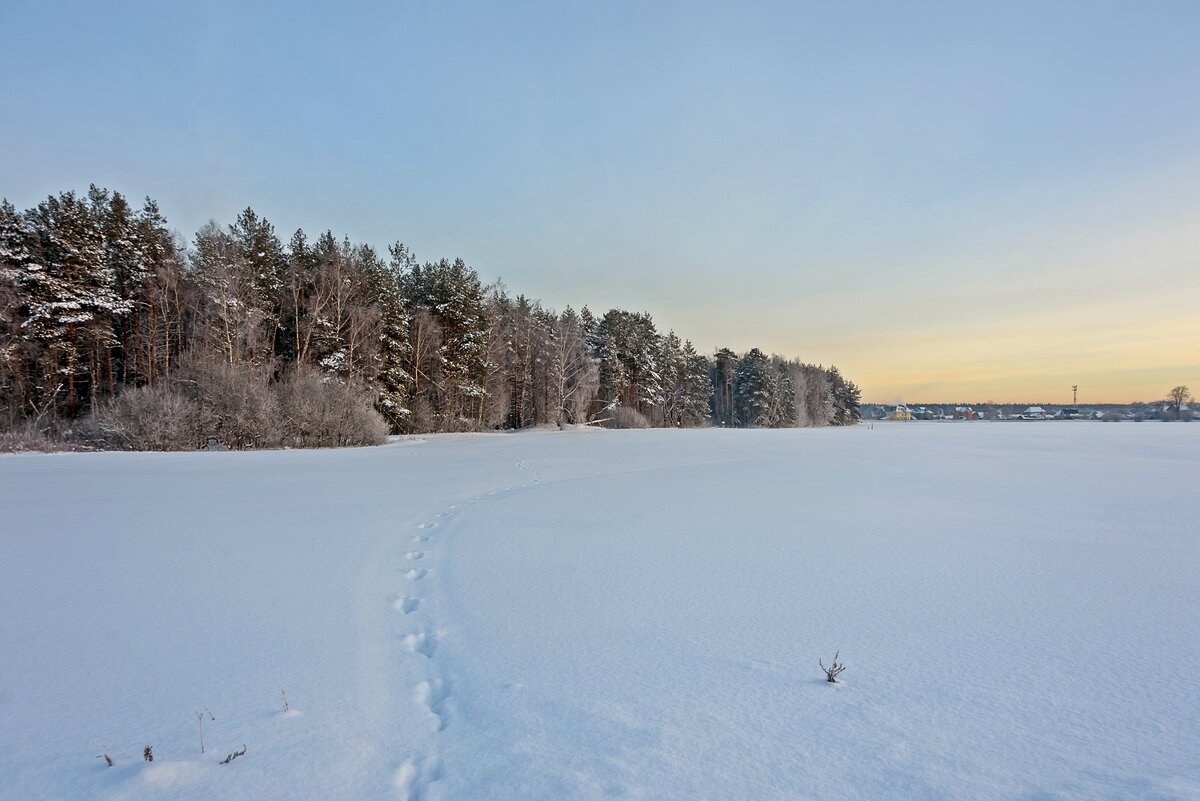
{"points": [[1104, 294]]}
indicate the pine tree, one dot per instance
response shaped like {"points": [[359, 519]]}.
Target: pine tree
{"points": [[72, 301], [451, 294], [264, 264], [846, 398], [390, 381], [695, 408], [724, 371], [672, 369], [753, 390], [125, 260], [625, 347], [16, 260], [782, 410]]}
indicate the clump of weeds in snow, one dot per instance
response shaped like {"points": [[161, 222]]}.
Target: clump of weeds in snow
{"points": [[835, 668], [234, 755]]}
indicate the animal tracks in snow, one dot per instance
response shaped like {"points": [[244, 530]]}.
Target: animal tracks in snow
{"points": [[413, 778], [407, 604], [433, 693], [421, 642]]}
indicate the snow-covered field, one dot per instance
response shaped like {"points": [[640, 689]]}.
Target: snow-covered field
{"points": [[633, 614]]}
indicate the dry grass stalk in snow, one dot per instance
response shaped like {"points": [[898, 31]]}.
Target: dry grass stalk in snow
{"points": [[200, 713]]}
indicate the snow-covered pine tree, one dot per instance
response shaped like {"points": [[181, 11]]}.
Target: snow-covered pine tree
{"points": [[16, 353], [782, 410], [70, 290], [338, 342], [753, 390], [696, 404], [336, 346], [452, 295], [672, 370], [390, 381], [846, 397], [626, 345], [723, 375], [263, 260], [125, 259]]}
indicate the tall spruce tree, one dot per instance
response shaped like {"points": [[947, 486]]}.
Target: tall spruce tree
{"points": [[390, 380], [753, 390]]}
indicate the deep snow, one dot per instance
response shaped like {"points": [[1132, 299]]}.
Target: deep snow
{"points": [[611, 614]]}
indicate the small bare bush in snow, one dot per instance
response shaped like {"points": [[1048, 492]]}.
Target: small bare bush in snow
{"points": [[834, 669], [627, 417], [318, 413], [241, 407], [158, 418], [29, 437]]}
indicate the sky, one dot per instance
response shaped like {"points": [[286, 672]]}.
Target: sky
{"points": [[949, 201]]}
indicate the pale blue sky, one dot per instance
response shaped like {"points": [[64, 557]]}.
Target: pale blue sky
{"points": [[958, 200]]}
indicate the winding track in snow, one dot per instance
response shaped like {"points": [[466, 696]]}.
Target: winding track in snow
{"points": [[434, 693]]}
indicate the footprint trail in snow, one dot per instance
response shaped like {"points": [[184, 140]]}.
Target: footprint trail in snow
{"points": [[414, 775]]}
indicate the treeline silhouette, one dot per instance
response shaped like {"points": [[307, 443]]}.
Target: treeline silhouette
{"points": [[115, 332]]}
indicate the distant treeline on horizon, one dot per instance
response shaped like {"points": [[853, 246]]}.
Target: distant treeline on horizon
{"points": [[109, 322], [1014, 406]]}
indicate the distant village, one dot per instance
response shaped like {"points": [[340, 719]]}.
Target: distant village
{"points": [[1107, 412]]}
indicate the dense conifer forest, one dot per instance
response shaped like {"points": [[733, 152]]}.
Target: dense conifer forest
{"points": [[116, 333]]}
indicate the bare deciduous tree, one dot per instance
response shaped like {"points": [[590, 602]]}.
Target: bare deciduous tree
{"points": [[1178, 397]]}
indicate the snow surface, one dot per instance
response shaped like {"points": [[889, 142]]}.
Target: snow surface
{"points": [[631, 614]]}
